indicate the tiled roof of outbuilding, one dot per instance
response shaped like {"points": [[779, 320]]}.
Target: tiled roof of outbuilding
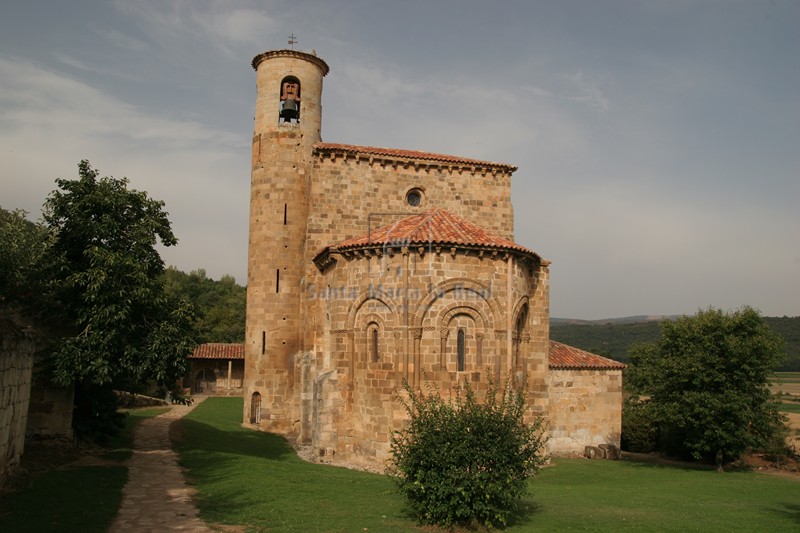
{"points": [[393, 153], [432, 227], [563, 356], [218, 350]]}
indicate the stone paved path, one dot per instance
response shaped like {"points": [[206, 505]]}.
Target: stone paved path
{"points": [[156, 497]]}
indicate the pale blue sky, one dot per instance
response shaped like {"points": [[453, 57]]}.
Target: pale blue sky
{"points": [[658, 143]]}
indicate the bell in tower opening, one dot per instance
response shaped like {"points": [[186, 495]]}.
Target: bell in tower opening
{"points": [[290, 101]]}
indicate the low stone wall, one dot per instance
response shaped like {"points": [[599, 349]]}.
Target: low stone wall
{"points": [[16, 364], [50, 411], [585, 409], [127, 400]]}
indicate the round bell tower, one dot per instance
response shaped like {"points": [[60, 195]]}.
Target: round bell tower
{"points": [[287, 125]]}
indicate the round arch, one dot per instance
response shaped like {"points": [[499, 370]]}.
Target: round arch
{"points": [[479, 292], [363, 298]]}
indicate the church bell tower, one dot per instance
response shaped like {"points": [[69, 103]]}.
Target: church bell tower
{"points": [[287, 125]]}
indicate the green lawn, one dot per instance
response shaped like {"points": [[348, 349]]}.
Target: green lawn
{"points": [[787, 377], [84, 499], [253, 479], [789, 407], [608, 496], [67, 499], [246, 477]]}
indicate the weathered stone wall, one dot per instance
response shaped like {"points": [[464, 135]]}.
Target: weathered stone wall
{"points": [[16, 363], [416, 303], [281, 168], [50, 409], [349, 195], [585, 409]]}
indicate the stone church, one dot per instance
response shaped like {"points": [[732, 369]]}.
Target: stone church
{"points": [[369, 266]]}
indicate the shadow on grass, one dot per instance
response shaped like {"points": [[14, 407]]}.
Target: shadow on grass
{"points": [[252, 478], [642, 460], [259, 483], [524, 513], [208, 438], [790, 511], [86, 500], [521, 516]]}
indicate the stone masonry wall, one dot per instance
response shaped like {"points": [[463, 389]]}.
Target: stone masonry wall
{"points": [[416, 303], [278, 214], [16, 363], [585, 409], [348, 196], [50, 409]]}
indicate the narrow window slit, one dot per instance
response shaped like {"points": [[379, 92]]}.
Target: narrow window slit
{"points": [[375, 355], [461, 349]]}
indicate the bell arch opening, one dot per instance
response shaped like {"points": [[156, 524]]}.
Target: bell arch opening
{"points": [[290, 101]]}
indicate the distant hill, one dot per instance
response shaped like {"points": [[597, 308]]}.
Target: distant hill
{"points": [[613, 337], [622, 320]]}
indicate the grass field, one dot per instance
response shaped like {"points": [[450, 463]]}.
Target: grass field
{"points": [[254, 479], [790, 407], [788, 378], [84, 499], [788, 384]]}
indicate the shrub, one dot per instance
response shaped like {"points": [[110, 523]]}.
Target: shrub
{"points": [[459, 460], [639, 428]]}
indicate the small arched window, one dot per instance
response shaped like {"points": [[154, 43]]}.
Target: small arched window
{"points": [[290, 101], [255, 408], [461, 349]]}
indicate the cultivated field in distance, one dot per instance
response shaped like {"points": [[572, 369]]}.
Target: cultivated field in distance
{"points": [[788, 383]]}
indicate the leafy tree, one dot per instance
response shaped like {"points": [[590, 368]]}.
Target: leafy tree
{"points": [[107, 294], [462, 461], [220, 304], [705, 383], [23, 245]]}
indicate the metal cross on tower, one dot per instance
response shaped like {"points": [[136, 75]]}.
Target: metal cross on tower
{"points": [[292, 40]]}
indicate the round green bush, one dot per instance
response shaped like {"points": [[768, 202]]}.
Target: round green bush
{"points": [[460, 461]]}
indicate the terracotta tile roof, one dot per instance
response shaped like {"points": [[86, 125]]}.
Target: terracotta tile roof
{"points": [[218, 350], [569, 357], [432, 227], [352, 149]]}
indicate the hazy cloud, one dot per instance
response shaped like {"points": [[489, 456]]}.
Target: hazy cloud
{"points": [[656, 143]]}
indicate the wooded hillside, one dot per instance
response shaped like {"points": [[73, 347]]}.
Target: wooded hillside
{"points": [[615, 339]]}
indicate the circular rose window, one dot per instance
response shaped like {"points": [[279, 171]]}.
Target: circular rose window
{"points": [[414, 197]]}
